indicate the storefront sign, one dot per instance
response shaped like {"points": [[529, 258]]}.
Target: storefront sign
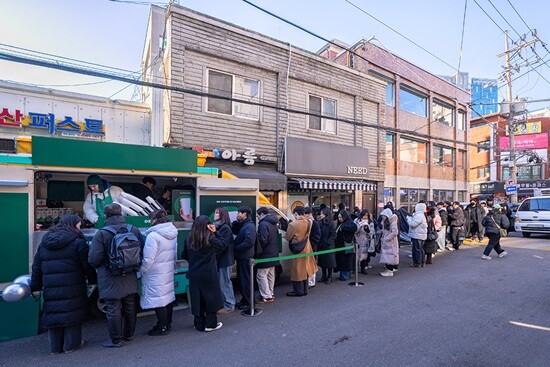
{"points": [[89, 128], [536, 184], [308, 157], [531, 141], [526, 128], [249, 155], [489, 187]]}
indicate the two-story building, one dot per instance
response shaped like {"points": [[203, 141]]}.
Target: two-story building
{"points": [[310, 129]]}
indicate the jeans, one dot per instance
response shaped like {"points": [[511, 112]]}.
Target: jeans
{"points": [[164, 315], [494, 243], [418, 251], [475, 230], [243, 275], [345, 274], [228, 295], [266, 281], [121, 317], [441, 236], [65, 338], [455, 231]]}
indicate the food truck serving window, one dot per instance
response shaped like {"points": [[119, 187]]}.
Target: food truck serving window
{"points": [[66, 190]]}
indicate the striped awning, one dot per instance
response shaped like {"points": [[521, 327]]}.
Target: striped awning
{"points": [[322, 184]]}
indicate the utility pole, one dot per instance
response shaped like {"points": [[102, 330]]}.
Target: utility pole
{"points": [[511, 105]]}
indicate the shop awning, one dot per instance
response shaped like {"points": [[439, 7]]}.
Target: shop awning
{"points": [[270, 178], [322, 184]]}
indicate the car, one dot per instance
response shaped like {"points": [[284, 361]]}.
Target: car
{"points": [[533, 216]]}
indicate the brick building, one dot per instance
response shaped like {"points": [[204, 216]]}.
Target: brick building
{"points": [[490, 161], [335, 155], [426, 143]]}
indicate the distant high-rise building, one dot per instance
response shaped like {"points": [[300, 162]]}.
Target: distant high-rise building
{"points": [[484, 96]]}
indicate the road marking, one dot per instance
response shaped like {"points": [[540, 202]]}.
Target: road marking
{"points": [[530, 326], [538, 257]]}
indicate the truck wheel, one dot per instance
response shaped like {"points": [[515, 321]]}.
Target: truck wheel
{"points": [[95, 305], [526, 234]]}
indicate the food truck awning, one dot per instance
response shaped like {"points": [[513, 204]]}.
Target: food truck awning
{"points": [[270, 178]]}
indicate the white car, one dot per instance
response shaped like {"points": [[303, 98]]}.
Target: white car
{"points": [[533, 216]]}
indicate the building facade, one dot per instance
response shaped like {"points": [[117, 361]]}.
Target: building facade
{"points": [[427, 127], [491, 162], [306, 127]]}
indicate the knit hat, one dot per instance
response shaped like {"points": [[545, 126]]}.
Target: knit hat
{"points": [[95, 180], [387, 213]]}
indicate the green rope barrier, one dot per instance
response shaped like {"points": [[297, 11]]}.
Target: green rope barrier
{"points": [[297, 256]]}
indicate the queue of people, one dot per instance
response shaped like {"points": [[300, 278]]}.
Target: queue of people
{"points": [[64, 264]]}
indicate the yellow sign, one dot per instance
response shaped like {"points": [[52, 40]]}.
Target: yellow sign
{"points": [[527, 128]]}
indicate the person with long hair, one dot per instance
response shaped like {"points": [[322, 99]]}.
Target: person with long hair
{"points": [[389, 242], [418, 230], [157, 271], [60, 270], [202, 248], [226, 260], [433, 221], [345, 234], [364, 239], [326, 262]]}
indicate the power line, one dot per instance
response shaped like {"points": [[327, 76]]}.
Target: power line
{"points": [[100, 74], [462, 36], [506, 20], [399, 33], [520, 17], [487, 14]]}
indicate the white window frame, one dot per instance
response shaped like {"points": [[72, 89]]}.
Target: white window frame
{"points": [[450, 116], [233, 95], [323, 120]]}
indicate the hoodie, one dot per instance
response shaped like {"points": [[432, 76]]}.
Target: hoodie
{"points": [[157, 267], [267, 245]]}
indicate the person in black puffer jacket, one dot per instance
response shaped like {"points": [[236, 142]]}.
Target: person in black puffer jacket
{"points": [[60, 269], [266, 247], [492, 222], [245, 230]]}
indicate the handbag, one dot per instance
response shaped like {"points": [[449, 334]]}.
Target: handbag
{"points": [[503, 232], [298, 246], [432, 233]]}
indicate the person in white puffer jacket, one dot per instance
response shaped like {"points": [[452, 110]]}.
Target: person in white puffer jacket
{"points": [[157, 271], [418, 230]]}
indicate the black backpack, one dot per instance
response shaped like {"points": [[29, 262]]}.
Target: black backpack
{"points": [[124, 251]]}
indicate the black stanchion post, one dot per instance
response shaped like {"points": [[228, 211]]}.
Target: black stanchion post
{"points": [[252, 311], [357, 283]]}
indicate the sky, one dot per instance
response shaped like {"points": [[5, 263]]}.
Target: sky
{"points": [[112, 33]]}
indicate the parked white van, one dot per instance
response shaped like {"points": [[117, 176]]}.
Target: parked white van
{"points": [[533, 216]]}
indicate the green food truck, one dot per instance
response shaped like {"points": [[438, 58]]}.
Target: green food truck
{"points": [[40, 186]]}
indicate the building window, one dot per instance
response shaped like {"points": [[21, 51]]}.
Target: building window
{"points": [[443, 113], [462, 196], [412, 151], [410, 197], [483, 172], [462, 120], [232, 86], [443, 156], [483, 146], [412, 102], [524, 173], [461, 159], [390, 146], [443, 195], [389, 195], [325, 107], [390, 94]]}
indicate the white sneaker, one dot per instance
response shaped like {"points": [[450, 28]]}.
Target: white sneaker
{"points": [[439, 250], [485, 257], [450, 248], [395, 270], [410, 255], [368, 267], [387, 273], [502, 254], [218, 326]]}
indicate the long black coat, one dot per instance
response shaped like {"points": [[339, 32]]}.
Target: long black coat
{"points": [[227, 257], [315, 234], [326, 242], [266, 246], [456, 217], [245, 240], [60, 269], [111, 286], [345, 233], [204, 282]]}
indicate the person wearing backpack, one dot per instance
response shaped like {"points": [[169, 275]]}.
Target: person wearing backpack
{"points": [[157, 271], [117, 287]]}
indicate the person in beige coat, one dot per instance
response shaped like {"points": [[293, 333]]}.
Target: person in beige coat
{"points": [[304, 267]]}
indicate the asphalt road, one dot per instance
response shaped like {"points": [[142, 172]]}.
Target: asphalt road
{"points": [[460, 311]]}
